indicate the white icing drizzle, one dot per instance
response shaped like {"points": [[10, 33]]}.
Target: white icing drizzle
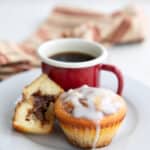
{"points": [[100, 102], [98, 129]]}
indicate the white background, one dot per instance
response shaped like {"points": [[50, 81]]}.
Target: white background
{"points": [[19, 18]]}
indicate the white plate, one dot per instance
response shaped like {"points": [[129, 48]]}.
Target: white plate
{"points": [[133, 134]]}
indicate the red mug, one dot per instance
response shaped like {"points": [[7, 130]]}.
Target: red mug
{"points": [[75, 74]]}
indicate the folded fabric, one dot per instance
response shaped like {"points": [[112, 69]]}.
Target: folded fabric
{"points": [[12, 53], [119, 27], [13, 59], [6, 71]]}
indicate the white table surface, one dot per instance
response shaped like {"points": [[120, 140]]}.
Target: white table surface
{"points": [[18, 18]]}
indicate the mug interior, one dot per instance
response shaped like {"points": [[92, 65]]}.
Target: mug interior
{"points": [[72, 45]]}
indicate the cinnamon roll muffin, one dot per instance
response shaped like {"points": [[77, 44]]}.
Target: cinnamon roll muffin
{"points": [[90, 117]]}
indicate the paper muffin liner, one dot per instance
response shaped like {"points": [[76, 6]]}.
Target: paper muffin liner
{"points": [[84, 136]]}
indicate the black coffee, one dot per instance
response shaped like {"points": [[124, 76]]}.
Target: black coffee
{"points": [[72, 57]]}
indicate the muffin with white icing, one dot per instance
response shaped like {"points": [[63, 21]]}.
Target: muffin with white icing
{"points": [[90, 117]]}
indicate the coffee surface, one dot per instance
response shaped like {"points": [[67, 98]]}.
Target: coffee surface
{"points": [[72, 57]]}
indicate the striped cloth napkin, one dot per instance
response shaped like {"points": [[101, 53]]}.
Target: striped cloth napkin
{"points": [[119, 27], [13, 59]]}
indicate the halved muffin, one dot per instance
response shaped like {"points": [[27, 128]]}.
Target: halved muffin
{"points": [[34, 113], [90, 117]]}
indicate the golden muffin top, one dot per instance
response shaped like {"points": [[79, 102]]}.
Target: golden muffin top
{"points": [[91, 103]]}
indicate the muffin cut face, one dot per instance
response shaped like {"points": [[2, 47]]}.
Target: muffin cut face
{"points": [[34, 113], [41, 104]]}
